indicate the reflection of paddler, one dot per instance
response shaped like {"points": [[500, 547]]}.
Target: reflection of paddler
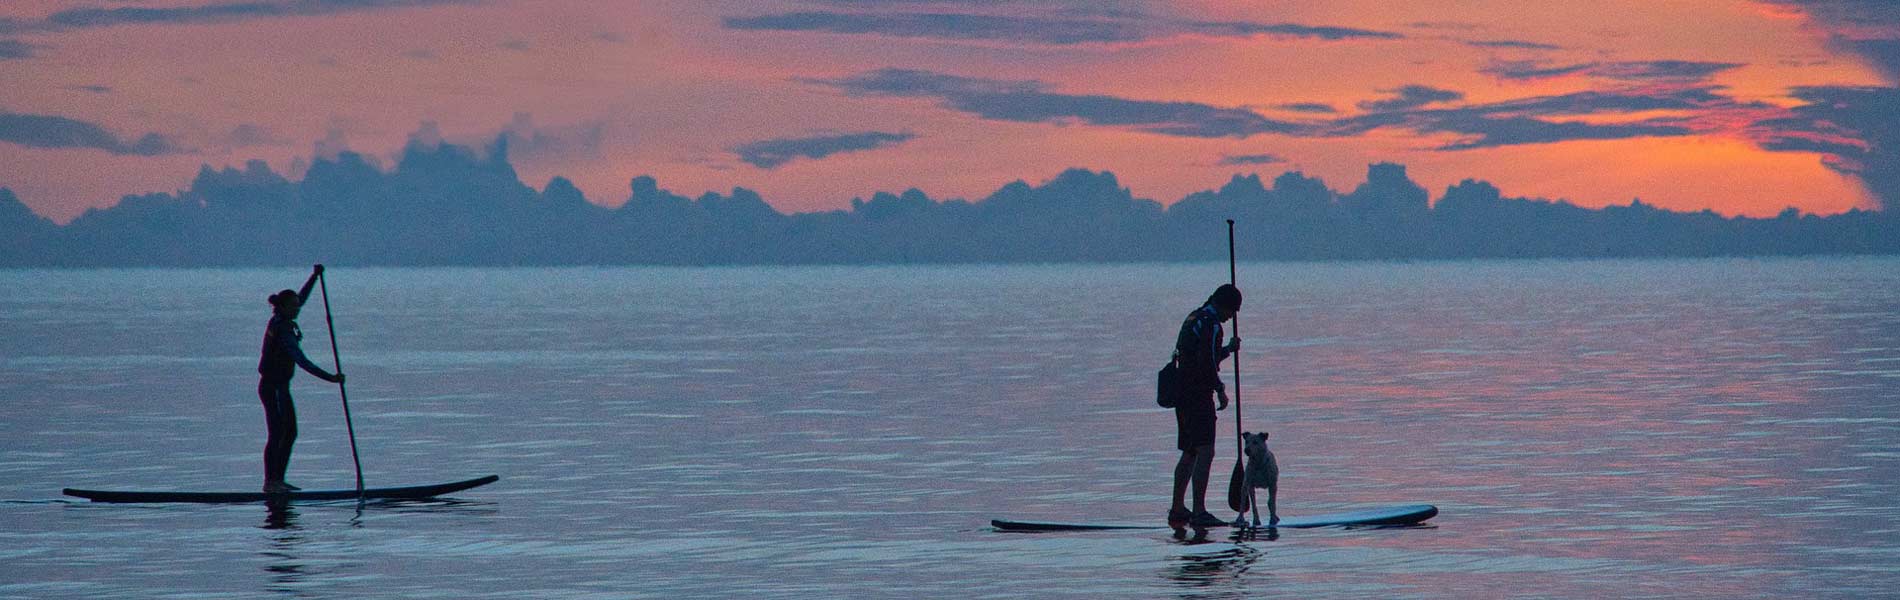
{"points": [[1199, 352], [282, 354]]}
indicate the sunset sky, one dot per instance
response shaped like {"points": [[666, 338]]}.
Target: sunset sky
{"points": [[1732, 105]]}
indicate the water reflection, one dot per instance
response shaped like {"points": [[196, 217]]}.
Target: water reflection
{"points": [[279, 516], [284, 565], [1256, 534], [439, 506], [1212, 574], [1195, 535]]}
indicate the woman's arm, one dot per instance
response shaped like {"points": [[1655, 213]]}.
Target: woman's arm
{"points": [[304, 361], [304, 294], [288, 343]]}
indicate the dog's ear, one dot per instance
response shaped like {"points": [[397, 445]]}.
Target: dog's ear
{"points": [[1264, 435]]}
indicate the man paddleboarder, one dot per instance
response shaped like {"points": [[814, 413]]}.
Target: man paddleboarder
{"points": [[282, 354], [1199, 352]]}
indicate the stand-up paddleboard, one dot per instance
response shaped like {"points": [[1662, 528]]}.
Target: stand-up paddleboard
{"points": [[397, 493], [1409, 514]]}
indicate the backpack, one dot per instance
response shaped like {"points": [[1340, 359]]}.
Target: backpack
{"points": [[1168, 384]]}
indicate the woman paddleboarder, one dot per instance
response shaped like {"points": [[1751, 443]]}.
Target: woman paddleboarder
{"points": [[282, 354]]}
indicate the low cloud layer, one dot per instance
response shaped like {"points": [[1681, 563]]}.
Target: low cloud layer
{"points": [[52, 132], [1411, 96], [770, 154], [1029, 102], [1511, 45], [15, 49], [1290, 30], [1487, 132], [1308, 107], [1240, 160], [1631, 71], [947, 27], [216, 12], [1546, 119], [1068, 28]]}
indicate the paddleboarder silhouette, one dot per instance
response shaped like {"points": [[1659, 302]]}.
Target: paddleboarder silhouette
{"points": [[282, 354], [1199, 352]]}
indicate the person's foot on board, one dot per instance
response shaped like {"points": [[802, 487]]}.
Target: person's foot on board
{"points": [[1178, 517], [1203, 518], [276, 487], [289, 487]]}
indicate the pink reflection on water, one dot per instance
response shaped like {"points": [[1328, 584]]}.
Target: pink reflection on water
{"points": [[1659, 436]]}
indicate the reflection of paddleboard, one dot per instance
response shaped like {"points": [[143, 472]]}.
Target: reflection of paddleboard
{"points": [[1392, 515], [397, 493]]}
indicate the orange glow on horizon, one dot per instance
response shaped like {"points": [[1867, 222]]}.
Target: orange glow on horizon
{"points": [[668, 91]]}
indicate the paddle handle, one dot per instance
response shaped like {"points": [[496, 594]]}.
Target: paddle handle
{"points": [[1233, 279], [1240, 440], [330, 324]]}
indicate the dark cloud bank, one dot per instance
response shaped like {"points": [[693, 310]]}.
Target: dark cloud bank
{"points": [[448, 205]]}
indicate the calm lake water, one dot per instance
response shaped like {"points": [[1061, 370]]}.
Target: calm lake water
{"points": [[1631, 429]]}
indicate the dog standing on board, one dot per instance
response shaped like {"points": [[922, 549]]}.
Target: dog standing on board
{"points": [[1262, 472]]}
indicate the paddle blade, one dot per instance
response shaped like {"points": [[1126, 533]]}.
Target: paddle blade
{"points": [[1237, 490]]}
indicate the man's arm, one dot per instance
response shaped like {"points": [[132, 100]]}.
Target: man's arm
{"points": [[1204, 355], [1220, 353]]}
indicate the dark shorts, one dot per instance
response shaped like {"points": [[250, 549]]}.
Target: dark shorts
{"points": [[1194, 422]]}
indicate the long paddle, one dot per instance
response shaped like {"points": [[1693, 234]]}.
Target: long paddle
{"points": [[1239, 494], [324, 285]]}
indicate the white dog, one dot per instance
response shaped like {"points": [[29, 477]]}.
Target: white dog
{"points": [[1263, 472]]}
